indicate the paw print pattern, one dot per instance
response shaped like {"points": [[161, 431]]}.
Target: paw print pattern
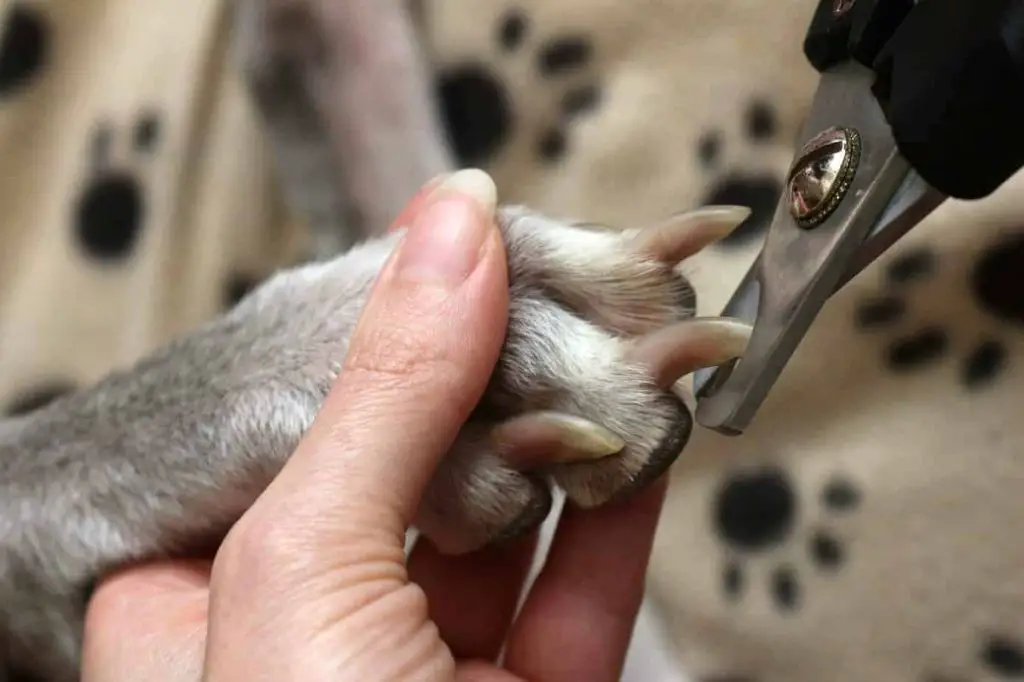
{"points": [[994, 285], [998, 657], [478, 108], [24, 47], [110, 210], [1003, 657], [238, 286], [38, 397], [756, 513], [760, 191]]}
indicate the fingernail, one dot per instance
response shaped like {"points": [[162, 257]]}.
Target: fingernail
{"points": [[473, 183], [444, 244], [431, 185]]}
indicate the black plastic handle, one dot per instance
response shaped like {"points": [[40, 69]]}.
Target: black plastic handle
{"points": [[951, 84], [828, 38], [950, 80], [852, 29]]}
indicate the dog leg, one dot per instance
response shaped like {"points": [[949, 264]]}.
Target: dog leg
{"points": [[165, 456], [348, 103]]}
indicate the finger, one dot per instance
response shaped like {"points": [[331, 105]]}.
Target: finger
{"points": [[314, 573], [480, 671], [577, 622], [148, 623], [416, 204], [418, 362], [472, 598]]}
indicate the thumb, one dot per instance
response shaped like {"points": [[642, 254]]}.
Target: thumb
{"points": [[417, 363], [313, 575]]}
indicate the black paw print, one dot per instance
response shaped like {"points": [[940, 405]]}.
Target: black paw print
{"points": [[24, 47], [1003, 657], [999, 657], [760, 190], [995, 287], [237, 287], [756, 512], [477, 107], [38, 397], [110, 210]]}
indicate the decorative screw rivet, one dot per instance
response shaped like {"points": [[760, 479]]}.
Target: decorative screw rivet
{"points": [[841, 7], [822, 174]]}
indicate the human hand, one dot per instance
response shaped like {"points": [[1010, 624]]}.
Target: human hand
{"points": [[312, 583]]}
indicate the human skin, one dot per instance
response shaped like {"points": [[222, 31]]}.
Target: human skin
{"points": [[313, 584]]}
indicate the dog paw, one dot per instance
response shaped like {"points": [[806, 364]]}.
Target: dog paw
{"points": [[601, 327]]}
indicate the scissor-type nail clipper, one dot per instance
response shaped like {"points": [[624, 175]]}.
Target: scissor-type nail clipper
{"points": [[918, 101]]}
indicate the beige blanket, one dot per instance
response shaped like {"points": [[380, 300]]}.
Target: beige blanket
{"points": [[869, 525]]}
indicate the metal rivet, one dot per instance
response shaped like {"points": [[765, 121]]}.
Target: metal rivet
{"points": [[841, 7], [822, 174]]}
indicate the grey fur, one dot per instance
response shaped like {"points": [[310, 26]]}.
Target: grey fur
{"points": [[169, 453], [349, 108]]}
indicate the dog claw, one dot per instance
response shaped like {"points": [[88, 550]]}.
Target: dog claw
{"points": [[683, 235], [548, 437], [675, 351]]}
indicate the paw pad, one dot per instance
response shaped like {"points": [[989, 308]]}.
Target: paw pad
{"points": [[478, 107], [758, 513]]}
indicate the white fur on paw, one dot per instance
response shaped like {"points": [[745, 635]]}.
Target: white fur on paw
{"points": [[600, 327]]}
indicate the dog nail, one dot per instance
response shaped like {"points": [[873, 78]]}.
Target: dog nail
{"points": [[546, 437], [683, 235], [677, 350]]}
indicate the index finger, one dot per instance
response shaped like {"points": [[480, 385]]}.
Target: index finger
{"points": [[577, 622]]}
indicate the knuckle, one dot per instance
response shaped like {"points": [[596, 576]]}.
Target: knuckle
{"points": [[256, 545], [391, 355], [265, 553]]}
